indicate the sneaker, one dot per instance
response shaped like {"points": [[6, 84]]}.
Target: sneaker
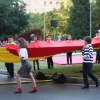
{"points": [[68, 65], [9, 76], [85, 87], [19, 90], [98, 83], [33, 90]]}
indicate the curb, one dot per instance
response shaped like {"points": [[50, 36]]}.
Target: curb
{"points": [[48, 79], [24, 82], [74, 80]]}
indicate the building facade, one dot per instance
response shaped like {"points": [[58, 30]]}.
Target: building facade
{"points": [[40, 6]]}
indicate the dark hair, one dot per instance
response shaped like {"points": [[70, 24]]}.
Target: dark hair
{"points": [[35, 36], [23, 43], [97, 31], [48, 35], [88, 39], [10, 37]]}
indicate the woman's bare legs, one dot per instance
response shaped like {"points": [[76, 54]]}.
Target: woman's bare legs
{"points": [[34, 89], [19, 89]]}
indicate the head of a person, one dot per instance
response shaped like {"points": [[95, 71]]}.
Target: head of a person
{"points": [[87, 40], [35, 38], [10, 39], [69, 37], [97, 34], [22, 43], [49, 38]]}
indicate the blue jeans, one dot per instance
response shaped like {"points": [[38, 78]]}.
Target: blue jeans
{"points": [[87, 70]]}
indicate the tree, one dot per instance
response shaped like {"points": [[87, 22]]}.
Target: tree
{"points": [[12, 17], [78, 23], [27, 35], [61, 15], [36, 21], [96, 15]]}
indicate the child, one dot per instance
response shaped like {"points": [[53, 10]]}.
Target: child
{"points": [[69, 54], [25, 67], [10, 66], [97, 35], [35, 39], [49, 59], [88, 63]]}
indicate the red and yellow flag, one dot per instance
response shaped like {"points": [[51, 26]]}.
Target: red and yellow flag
{"points": [[43, 49]]}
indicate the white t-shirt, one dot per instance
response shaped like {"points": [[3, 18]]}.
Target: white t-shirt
{"points": [[96, 37], [23, 53], [32, 41]]}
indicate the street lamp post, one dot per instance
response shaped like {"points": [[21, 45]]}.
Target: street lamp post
{"points": [[90, 20], [44, 21], [44, 25]]}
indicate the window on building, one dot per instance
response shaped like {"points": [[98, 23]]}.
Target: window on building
{"points": [[35, 9], [44, 9], [36, 2], [29, 3], [44, 2], [51, 2], [57, 3], [41, 9], [29, 9], [51, 9]]}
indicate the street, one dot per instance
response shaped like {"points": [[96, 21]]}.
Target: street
{"points": [[50, 91]]}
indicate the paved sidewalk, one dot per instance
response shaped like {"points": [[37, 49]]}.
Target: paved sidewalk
{"points": [[3, 78], [5, 72]]}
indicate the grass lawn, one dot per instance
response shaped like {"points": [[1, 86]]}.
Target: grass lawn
{"points": [[71, 71]]}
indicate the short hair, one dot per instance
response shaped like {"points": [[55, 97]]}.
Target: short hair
{"points": [[36, 37], [88, 39], [23, 43], [97, 32], [48, 35], [10, 37]]}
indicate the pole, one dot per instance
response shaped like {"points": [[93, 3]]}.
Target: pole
{"points": [[54, 33], [90, 22], [44, 25]]}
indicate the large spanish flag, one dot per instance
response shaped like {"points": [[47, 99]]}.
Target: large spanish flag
{"points": [[43, 49]]}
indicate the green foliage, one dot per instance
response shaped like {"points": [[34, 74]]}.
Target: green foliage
{"points": [[12, 17], [36, 21], [78, 23], [27, 35], [96, 14], [61, 15]]}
